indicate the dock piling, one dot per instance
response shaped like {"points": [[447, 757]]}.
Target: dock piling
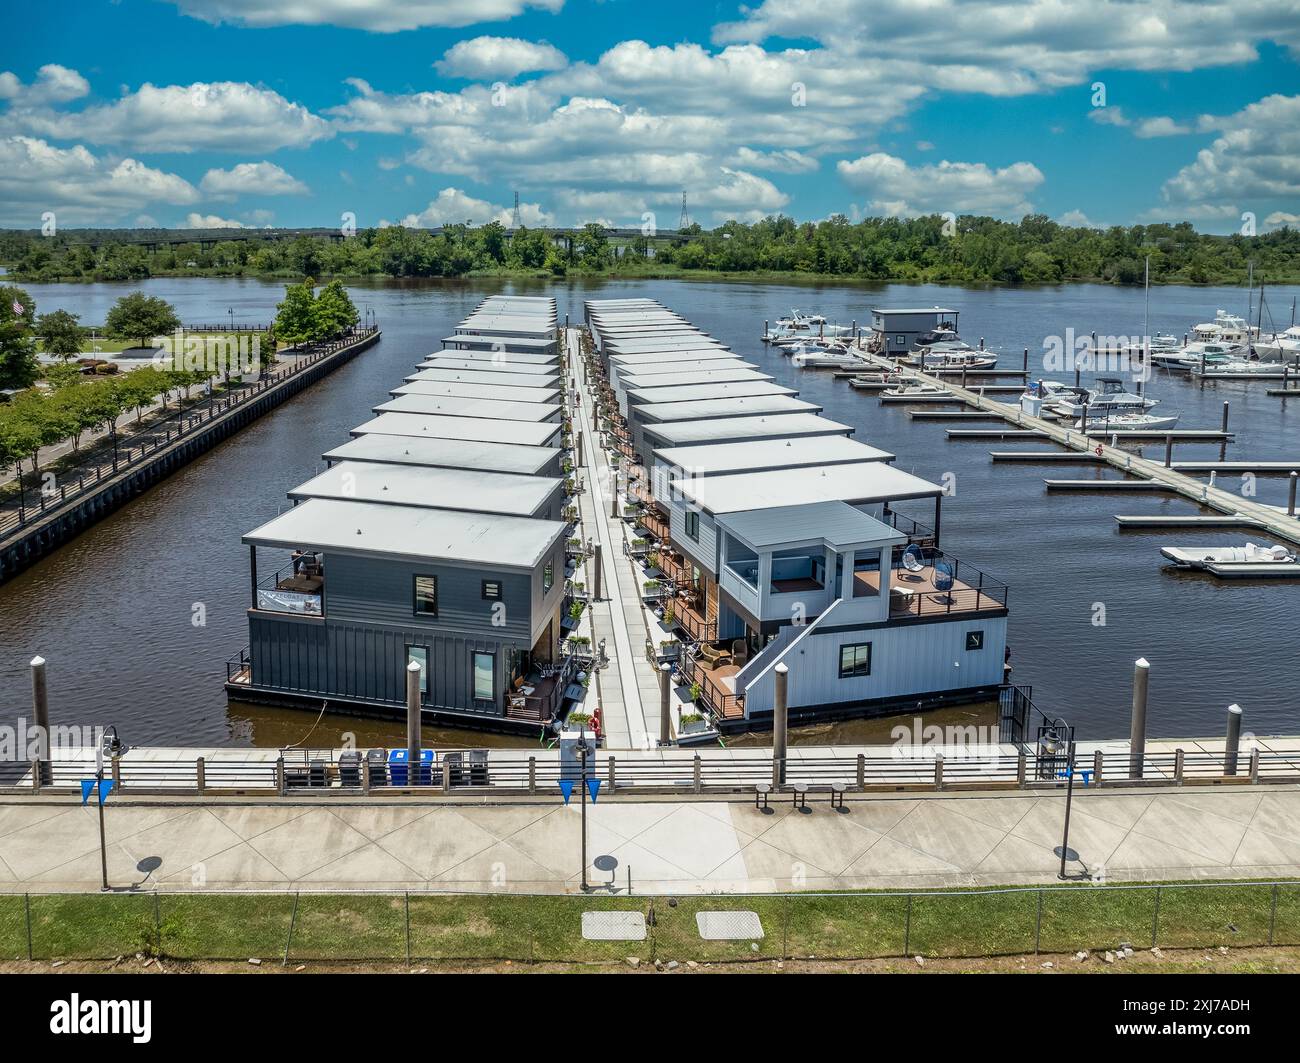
{"points": [[1290, 494], [1232, 742], [413, 723], [780, 716], [665, 703], [1137, 735], [41, 708]]}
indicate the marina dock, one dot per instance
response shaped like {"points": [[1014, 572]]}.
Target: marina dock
{"points": [[1097, 449]]}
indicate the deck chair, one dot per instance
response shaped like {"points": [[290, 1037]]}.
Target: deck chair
{"points": [[943, 582], [913, 562], [713, 656]]}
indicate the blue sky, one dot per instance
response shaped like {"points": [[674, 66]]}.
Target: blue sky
{"points": [[240, 112]]}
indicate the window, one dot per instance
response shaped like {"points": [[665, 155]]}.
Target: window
{"points": [[491, 590], [855, 660], [693, 524], [974, 640], [420, 655], [484, 670], [426, 595], [548, 576]]}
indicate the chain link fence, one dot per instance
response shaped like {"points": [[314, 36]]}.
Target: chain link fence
{"points": [[411, 927]]}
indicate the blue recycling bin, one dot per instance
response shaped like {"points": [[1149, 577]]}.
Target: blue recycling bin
{"points": [[397, 767]]}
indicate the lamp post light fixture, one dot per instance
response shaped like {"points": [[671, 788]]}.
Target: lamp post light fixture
{"points": [[1054, 738], [112, 745], [582, 749]]}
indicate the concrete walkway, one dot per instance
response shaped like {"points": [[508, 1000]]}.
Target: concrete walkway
{"points": [[669, 846], [629, 688]]}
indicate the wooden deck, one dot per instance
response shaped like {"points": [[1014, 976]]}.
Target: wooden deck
{"points": [[915, 593]]}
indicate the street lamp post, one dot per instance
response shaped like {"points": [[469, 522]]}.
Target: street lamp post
{"points": [[581, 750], [1051, 739]]}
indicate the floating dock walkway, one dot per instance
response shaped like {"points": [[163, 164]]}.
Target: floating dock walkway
{"points": [[1235, 511]]}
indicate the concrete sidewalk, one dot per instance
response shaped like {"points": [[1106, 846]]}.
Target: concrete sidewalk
{"points": [[668, 846]]}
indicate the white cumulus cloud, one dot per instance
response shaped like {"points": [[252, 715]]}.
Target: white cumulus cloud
{"points": [[900, 190], [380, 16], [36, 176], [506, 57], [252, 178]]}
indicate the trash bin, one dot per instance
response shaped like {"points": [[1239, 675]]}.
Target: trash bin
{"points": [[452, 765], [478, 767], [375, 766], [350, 769], [397, 767]]}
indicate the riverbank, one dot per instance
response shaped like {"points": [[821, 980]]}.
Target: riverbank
{"points": [[1232, 278], [68, 508]]}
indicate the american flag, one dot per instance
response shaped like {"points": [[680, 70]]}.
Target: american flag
{"points": [[18, 308]]}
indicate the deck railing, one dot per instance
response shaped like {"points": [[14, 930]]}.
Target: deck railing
{"points": [[721, 703], [672, 771]]}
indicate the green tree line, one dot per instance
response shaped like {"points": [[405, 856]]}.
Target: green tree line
{"points": [[970, 250]]}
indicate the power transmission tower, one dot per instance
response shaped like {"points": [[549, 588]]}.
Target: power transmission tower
{"points": [[515, 223], [686, 218]]}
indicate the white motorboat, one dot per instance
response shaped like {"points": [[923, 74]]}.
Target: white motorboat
{"points": [[1190, 357], [951, 359], [915, 389], [836, 356], [1225, 328], [1110, 391], [1126, 420], [1281, 346], [801, 324], [1243, 367], [1163, 339], [1238, 561]]}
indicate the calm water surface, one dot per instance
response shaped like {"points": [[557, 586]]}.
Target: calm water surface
{"points": [[112, 611]]}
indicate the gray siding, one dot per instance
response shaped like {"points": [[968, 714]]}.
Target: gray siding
{"points": [[366, 590], [365, 663]]}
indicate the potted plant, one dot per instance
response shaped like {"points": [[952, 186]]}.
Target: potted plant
{"points": [[693, 723], [697, 692]]}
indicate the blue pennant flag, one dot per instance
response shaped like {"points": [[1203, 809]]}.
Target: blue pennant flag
{"points": [[593, 787], [566, 788], [88, 787]]}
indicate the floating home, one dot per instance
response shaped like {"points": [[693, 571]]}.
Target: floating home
{"points": [[437, 534], [776, 540], [896, 331]]}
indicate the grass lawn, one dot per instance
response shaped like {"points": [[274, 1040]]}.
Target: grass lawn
{"points": [[103, 347], [392, 926]]}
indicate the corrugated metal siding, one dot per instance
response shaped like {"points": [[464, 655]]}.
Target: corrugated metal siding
{"points": [[345, 660], [367, 590]]}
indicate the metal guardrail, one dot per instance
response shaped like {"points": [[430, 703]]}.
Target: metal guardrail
{"points": [[516, 773]]}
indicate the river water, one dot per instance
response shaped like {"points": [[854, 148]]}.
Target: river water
{"points": [[137, 616]]}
